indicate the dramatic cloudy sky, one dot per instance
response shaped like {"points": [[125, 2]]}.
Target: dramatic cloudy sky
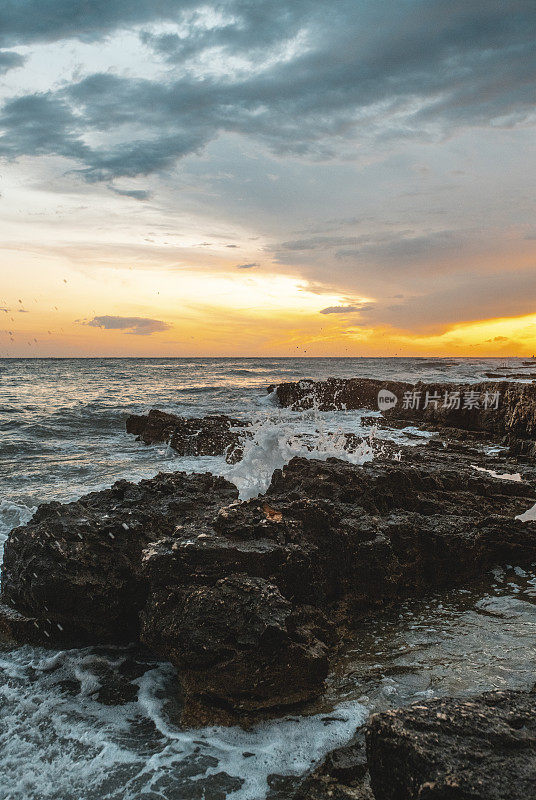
{"points": [[267, 177]]}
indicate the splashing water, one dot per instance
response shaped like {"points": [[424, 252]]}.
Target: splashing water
{"points": [[11, 516], [273, 442]]}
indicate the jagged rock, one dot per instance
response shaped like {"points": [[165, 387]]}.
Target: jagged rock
{"points": [[73, 570], [510, 375], [214, 435], [451, 749], [515, 414], [334, 393], [522, 448], [341, 775], [206, 436], [240, 641], [238, 595]]}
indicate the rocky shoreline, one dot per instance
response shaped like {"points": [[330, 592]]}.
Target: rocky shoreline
{"points": [[206, 436], [443, 749], [498, 407], [248, 600]]}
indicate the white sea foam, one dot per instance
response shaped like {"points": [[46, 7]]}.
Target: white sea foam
{"points": [[274, 441], [529, 515], [505, 476], [58, 743]]}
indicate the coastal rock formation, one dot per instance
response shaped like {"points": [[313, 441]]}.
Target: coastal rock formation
{"points": [[482, 748], [341, 775], [74, 570], [214, 435], [500, 407], [239, 642], [243, 597], [451, 749], [334, 393], [511, 375], [206, 436]]}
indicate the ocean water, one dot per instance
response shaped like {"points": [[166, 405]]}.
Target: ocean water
{"points": [[62, 433]]}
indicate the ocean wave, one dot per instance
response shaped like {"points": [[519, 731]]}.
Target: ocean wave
{"points": [[275, 441]]}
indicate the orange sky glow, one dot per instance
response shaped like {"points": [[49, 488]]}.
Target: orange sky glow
{"points": [[180, 181]]}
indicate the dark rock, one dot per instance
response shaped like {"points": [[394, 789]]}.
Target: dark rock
{"points": [[240, 641], [452, 749], [522, 448], [207, 436], [341, 775], [515, 414], [238, 595], [73, 570], [510, 375], [214, 435], [335, 393]]}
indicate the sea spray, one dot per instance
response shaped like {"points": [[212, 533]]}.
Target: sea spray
{"points": [[11, 516], [58, 741], [272, 441]]}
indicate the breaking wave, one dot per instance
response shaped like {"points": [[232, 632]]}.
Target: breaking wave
{"points": [[274, 441]]}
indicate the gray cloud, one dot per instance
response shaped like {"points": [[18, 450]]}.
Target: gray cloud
{"points": [[135, 194], [320, 243], [10, 60], [469, 298], [247, 266], [376, 72], [141, 326], [406, 248], [340, 309], [27, 21]]}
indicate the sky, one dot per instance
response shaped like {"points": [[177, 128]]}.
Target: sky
{"points": [[267, 178]]}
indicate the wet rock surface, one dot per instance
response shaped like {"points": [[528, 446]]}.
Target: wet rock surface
{"points": [[250, 601], [451, 749], [206, 436], [341, 775], [500, 407], [214, 435], [72, 574], [481, 748], [244, 598]]}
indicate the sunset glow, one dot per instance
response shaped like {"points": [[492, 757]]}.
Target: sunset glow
{"points": [[232, 191]]}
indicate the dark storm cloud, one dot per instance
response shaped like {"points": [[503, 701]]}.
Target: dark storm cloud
{"points": [[40, 124], [9, 60], [25, 21], [355, 70], [141, 326]]}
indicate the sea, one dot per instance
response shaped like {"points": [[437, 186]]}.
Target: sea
{"points": [[62, 434]]}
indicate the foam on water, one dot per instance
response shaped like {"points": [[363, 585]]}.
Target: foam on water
{"points": [[529, 515], [62, 435], [274, 442], [57, 740], [12, 515], [505, 476]]}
